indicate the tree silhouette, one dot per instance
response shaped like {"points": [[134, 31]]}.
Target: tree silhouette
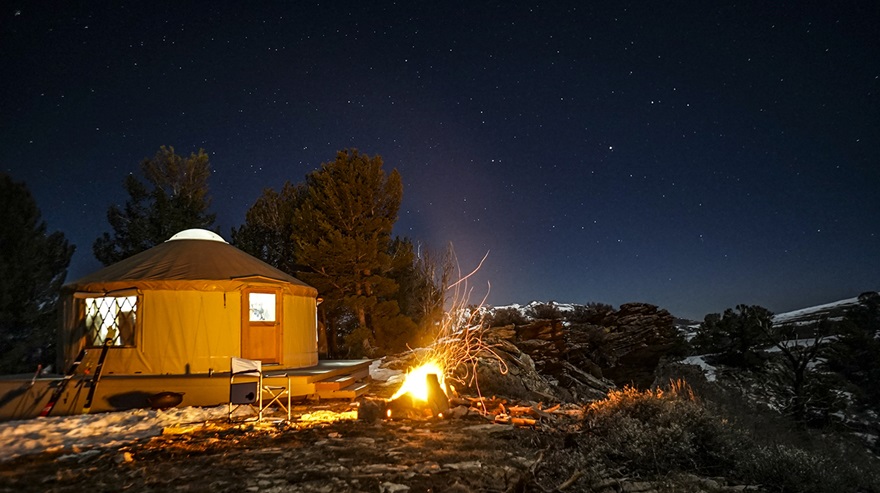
{"points": [[268, 229], [737, 336], [33, 265], [343, 235], [856, 353], [174, 198]]}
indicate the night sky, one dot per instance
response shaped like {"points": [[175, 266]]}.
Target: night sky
{"points": [[693, 155]]}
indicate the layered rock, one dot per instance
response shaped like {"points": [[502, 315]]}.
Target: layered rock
{"points": [[624, 346]]}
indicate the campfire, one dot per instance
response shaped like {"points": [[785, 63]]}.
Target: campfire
{"points": [[426, 390], [425, 394], [423, 391], [457, 349]]}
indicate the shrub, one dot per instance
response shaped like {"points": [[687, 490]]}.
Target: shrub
{"points": [[782, 467], [360, 343], [656, 432], [505, 316], [591, 313], [544, 311]]}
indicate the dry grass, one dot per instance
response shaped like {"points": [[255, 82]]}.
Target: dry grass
{"points": [[661, 431]]}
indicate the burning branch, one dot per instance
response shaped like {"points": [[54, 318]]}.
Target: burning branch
{"points": [[456, 351]]}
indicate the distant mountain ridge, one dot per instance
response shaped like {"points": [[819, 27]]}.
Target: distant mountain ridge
{"points": [[832, 311]]}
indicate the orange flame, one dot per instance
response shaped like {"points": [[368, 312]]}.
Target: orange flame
{"points": [[415, 383]]}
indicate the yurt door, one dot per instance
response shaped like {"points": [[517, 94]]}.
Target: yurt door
{"points": [[261, 326]]}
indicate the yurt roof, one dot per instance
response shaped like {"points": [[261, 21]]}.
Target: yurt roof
{"points": [[192, 259]]}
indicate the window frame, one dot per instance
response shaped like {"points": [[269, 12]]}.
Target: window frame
{"points": [[275, 308], [90, 333]]}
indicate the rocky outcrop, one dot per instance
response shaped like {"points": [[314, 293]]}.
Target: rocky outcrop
{"points": [[634, 339], [557, 360], [624, 346], [571, 375]]}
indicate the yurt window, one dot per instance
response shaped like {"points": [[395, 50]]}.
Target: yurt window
{"points": [[111, 317], [262, 307]]}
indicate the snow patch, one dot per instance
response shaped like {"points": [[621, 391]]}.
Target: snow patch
{"points": [[74, 434], [708, 369], [796, 314], [792, 343], [383, 374]]}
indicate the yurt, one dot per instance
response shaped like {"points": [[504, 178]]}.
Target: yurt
{"points": [[187, 306], [171, 318], [168, 321]]}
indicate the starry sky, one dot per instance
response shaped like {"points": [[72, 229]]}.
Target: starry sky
{"points": [[693, 155]]}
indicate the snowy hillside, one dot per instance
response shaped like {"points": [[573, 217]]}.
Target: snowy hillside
{"points": [[525, 310], [831, 311]]}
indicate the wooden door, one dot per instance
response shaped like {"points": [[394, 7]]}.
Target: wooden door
{"points": [[261, 325]]}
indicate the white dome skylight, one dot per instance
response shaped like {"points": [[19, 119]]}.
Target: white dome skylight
{"points": [[197, 234]]}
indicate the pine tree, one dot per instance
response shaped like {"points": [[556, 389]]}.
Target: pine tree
{"points": [[343, 235], [175, 198], [785, 353], [423, 277], [737, 336], [33, 265], [268, 230], [855, 354]]}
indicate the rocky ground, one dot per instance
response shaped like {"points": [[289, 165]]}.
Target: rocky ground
{"points": [[342, 456], [524, 440], [329, 452], [326, 449]]}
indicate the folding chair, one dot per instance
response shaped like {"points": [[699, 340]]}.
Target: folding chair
{"points": [[247, 392], [247, 386], [276, 392]]}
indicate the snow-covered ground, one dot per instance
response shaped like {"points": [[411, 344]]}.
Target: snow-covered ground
{"points": [[82, 433], [86, 433], [523, 309], [793, 343], [700, 361], [383, 374]]}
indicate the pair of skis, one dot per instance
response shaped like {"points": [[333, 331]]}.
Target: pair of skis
{"points": [[93, 383]]}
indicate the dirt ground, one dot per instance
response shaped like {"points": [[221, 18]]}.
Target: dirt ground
{"points": [[465, 454]]}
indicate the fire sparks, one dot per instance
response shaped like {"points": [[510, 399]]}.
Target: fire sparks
{"points": [[454, 355]]}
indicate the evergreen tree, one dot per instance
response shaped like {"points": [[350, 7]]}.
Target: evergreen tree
{"points": [[174, 198], [737, 336], [268, 230], [856, 353], [405, 275], [33, 265], [423, 278], [343, 235], [785, 353], [593, 313]]}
